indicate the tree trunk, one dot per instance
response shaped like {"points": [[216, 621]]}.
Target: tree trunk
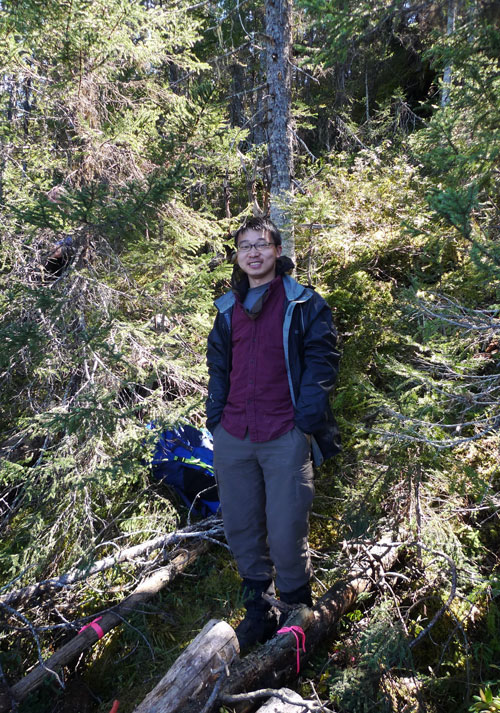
{"points": [[278, 61], [450, 28], [200, 664]]}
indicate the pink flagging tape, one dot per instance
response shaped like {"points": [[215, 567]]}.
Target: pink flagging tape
{"points": [[95, 626], [296, 630]]}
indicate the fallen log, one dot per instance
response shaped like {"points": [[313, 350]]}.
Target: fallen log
{"points": [[216, 645], [211, 527], [274, 664], [111, 618]]}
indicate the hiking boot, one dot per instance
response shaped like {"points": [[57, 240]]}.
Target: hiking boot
{"points": [[301, 596], [261, 620], [256, 629]]}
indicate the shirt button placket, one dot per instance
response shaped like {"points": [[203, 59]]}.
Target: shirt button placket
{"points": [[252, 374]]}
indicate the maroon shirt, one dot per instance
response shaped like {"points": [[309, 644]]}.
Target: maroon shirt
{"points": [[259, 395]]}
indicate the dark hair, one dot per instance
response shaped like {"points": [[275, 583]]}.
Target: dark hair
{"points": [[259, 224]]}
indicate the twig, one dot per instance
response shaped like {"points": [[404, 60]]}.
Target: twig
{"points": [[418, 509], [308, 150], [396, 604], [316, 695], [138, 631], [351, 133], [223, 672], [198, 497], [32, 629], [467, 650], [447, 604], [303, 71]]}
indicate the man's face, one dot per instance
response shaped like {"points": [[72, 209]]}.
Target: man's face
{"points": [[258, 263]]}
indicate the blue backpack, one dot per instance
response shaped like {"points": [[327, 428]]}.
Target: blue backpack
{"points": [[183, 458]]}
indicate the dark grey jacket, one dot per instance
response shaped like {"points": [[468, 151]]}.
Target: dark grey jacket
{"points": [[309, 341]]}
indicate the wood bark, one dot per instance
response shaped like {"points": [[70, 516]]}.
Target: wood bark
{"points": [[215, 646], [274, 664], [236, 108], [80, 643], [279, 75]]}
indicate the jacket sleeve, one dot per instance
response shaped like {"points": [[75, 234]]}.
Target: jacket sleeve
{"points": [[319, 366], [218, 371]]}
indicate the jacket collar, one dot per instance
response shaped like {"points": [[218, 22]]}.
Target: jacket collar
{"points": [[294, 292]]}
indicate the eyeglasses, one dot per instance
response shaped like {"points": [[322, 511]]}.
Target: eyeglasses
{"points": [[245, 246]]}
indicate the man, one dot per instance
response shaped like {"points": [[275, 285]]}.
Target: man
{"points": [[272, 364]]}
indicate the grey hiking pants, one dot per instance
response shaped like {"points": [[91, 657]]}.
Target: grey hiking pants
{"points": [[266, 492]]}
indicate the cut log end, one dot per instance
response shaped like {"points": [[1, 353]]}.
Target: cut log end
{"points": [[199, 665]]}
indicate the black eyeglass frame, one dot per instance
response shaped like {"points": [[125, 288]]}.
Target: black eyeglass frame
{"points": [[259, 245]]}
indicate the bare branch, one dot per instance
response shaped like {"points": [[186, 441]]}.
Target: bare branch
{"points": [[32, 629], [274, 693], [213, 530], [109, 619]]}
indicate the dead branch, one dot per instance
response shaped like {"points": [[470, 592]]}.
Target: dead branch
{"points": [[110, 618], [446, 605], [33, 632], [451, 312], [207, 529], [439, 445], [282, 700]]}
